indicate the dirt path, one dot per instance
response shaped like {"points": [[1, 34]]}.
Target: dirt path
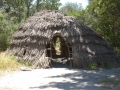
{"points": [[57, 79]]}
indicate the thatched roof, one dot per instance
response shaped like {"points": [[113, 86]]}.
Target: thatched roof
{"points": [[32, 36]]}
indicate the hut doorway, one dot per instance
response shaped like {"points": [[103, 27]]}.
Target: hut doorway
{"points": [[59, 51]]}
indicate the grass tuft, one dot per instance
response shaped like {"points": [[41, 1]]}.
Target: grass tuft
{"points": [[113, 83], [8, 63]]}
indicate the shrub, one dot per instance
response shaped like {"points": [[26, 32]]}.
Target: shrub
{"points": [[8, 63], [91, 65], [7, 28]]}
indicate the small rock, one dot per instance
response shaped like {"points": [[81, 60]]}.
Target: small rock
{"points": [[25, 69]]}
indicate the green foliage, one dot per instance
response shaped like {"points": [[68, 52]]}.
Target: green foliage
{"points": [[76, 10], [58, 45], [51, 4], [117, 49], [102, 65], [16, 10], [6, 31], [71, 9], [92, 65], [107, 65], [28, 5], [3, 33], [1, 3], [107, 15], [1, 17], [47, 4]]}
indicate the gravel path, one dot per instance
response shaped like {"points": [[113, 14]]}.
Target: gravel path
{"points": [[57, 79]]}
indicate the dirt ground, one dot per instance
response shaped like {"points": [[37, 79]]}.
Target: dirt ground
{"points": [[57, 79]]}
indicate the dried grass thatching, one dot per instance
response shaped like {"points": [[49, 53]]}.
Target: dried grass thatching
{"points": [[30, 41]]}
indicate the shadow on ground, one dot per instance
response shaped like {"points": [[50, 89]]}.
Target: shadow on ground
{"points": [[60, 65], [78, 80]]}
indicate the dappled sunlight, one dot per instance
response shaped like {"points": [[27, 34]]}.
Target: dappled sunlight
{"points": [[58, 79], [76, 79]]}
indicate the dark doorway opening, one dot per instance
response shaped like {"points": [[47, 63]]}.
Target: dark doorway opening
{"points": [[59, 51]]}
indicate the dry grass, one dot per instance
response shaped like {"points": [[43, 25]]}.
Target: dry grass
{"points": [[8, 63]]}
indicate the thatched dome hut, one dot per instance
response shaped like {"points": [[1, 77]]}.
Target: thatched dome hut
{"points": [[35, 41]]}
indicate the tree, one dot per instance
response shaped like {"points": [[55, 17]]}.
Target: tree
{"points": [[38, 4], [47, 4], [6, 31], [14, 10], [107, 13], [54, 4], [71, 9], [28, 4], [18, 10], [1, 3]]}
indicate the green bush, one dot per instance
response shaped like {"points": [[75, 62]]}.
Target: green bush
{"points": [[107, 65], [117, 50], [91, 65], [1, 16], [103, 65], [113, 83], [7, 28]]}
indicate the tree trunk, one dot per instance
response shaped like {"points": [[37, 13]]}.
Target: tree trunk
{"points": [[37, 6]]}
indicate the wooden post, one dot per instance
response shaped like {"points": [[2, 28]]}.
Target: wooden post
{"points": [[51, 50], [69, 55]]}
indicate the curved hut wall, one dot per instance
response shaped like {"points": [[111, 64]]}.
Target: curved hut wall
{"points": [[30, 41]]}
